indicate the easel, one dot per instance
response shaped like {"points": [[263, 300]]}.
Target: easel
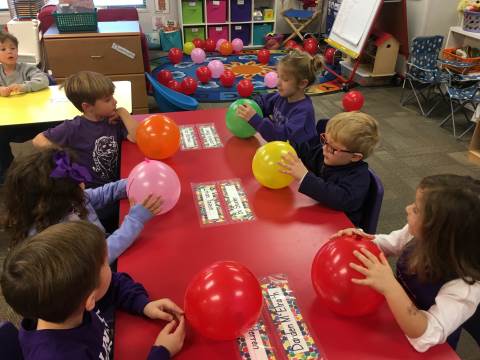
{"points": [[386, 15]]}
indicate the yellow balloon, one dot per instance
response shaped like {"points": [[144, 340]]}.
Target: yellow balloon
{"points": [[265, 164], [188, 47]]}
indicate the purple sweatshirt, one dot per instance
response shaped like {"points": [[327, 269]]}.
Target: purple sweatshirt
{"points": [[97, 145], [93, 338], [283, 120]]}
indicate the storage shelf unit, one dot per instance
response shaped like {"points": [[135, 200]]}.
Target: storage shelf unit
{"points": [[226, 19]]}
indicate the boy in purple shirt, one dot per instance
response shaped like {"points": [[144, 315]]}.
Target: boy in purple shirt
{"points": [[64, 308]]}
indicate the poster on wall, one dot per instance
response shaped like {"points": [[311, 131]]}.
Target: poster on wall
{"points": [[161, 6]]}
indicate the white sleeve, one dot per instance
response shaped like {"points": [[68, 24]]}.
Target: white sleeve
{"points": [[392, 244], [454, 304]]}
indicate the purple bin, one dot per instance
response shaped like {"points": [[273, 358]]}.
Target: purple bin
{"points": [[241, 31], [240, 10]]}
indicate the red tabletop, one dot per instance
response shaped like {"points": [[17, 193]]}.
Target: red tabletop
{"points": [[288, 230]]}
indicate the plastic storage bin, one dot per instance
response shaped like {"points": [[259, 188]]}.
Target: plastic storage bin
{"points": [[170, 39], [240, 10], [259, 32], [216, 11], [218, 32], [241, 31], [192, 32], [192, 12], [76, 22]]}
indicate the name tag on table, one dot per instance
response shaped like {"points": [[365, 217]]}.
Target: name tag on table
{"points": [[237, 203], [255, 344], [209, 136], [208, 204], [188, 138]]}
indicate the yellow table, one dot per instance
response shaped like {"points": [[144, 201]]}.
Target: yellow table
{"points": [[50, 105]]}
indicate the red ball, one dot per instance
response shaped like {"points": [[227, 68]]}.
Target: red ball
{"points": [[245, 88], [199, 43], [164, 76], [175, 55], [174, 85], [188, 85], [203, 74], [227, 78], [210, 44], [290, 44], [353, 101], [329, 55], [263, 56], [311, 46], [332, 277]]}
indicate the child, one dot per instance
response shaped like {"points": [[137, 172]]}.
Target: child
{"points": [[16, 78], [333, 171], [436, 290], [64, 308], [45, 188], [288, 113]]}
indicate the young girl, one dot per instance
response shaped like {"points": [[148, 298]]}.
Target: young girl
{"points": [[288, 113], [436, 289], [47, 188]]}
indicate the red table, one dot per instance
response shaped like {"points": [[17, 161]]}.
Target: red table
{"points": [[288, 230]]}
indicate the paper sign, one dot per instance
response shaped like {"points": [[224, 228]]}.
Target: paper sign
{"points": [[188, 138], [236, 200], [208, 204], [123, 51], [209, 136]]}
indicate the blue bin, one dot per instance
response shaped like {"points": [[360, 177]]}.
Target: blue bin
{"points": [[171, 39], [240, 10]]}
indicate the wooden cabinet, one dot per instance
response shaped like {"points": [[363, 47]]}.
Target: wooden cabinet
{"points": [[115, 51]]}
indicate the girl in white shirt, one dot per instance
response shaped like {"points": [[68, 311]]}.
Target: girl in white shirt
{"points": [[436, 289]]}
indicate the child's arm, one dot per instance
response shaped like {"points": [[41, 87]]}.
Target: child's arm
{"points": [[266, 102], [57, 136], [107, 194], [35, 79], [169, 342], [41, 142], [130, 124]]}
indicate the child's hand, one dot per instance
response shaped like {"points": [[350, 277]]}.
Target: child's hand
{"points": [[16, 89], [5, 91], [171, 339], [352, 231], [119, 114], [245, 112], [377, 271], [292, 165], [163, 309], [151, 203]]}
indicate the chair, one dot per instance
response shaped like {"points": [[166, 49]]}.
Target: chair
{"points": [[373, 204], [9, 343], [299, 19], [423, 74]]}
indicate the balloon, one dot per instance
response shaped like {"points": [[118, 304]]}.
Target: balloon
{"points": [[265, 164], [158, 137], [263, 56], [237, 44], [331, 277], [219, 42], [210, 45], [225, 48], [164, 76], [329, 55], [157, 178], [198, 56], [216, 67], [188, 47], [245, 88], [290, 44], [188, 85], [174, 85], [227, 78], [271, 79], [353, 101], [175, 55], [238, 126], [311, 46], [297, 47], [223, 300], [203, 74], [199, 43]]}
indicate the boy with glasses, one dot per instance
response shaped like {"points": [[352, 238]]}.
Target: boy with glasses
{"points": [[331, 168]]}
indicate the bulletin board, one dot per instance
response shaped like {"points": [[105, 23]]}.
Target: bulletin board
{"points": [[353, 24]]}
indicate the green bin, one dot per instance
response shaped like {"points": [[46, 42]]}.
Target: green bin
{"points": [[192, 32], [192, 12]]}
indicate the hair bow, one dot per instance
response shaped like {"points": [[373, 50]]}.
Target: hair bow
{"points": [[64, 168]]}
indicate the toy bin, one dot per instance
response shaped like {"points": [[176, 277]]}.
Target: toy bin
{"points": [[218, 32], [192, 32], [192, 12], [241, 31], [216, 11], [240, 10], [170, 39], [259, 32]]}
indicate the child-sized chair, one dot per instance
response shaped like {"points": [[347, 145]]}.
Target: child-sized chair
{"points": [[299, 19], [9, 344], [373, 204]]}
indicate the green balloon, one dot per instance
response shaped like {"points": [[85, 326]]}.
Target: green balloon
{"points": [[238, 126]]}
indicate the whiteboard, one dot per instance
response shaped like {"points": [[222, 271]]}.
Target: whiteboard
{"points": [[352, 25]]}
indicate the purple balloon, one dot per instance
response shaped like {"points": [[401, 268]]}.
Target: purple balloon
{"points": [[271, 79], [219, 42], [156, 178], [237, 44], [198, 55], [216, 67]]}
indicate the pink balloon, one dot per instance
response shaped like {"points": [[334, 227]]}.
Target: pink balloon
{"points": [[237, 44], [157, 178], [271, 79], [198, 55], [216, 67], [219, 42]]}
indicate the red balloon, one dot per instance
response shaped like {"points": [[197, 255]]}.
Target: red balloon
{"points": [[331, 277], [353, 101], [330, 56], [158, 137], [227, 78], [263, 56], [174, 85], [210, 44], [188, 85], [290, 44], [203, 74], [311, 46], [223, 300], [245, 88], [199, 43], [297, 47], [175, 55], [164, 76]]}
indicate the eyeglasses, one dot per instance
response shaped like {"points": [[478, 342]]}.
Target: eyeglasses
{"points": [[330, 148]]}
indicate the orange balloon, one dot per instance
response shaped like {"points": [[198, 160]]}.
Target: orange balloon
{"points": [[226, 48], [158, 137]]}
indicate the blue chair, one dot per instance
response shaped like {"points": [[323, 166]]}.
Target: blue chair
{"points": [[423, 75], [169, 100], [373, 204], [9, 344]]}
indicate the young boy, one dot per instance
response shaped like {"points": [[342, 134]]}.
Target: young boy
{"points": [[333, 171], [97, 134], [63, 309]]}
